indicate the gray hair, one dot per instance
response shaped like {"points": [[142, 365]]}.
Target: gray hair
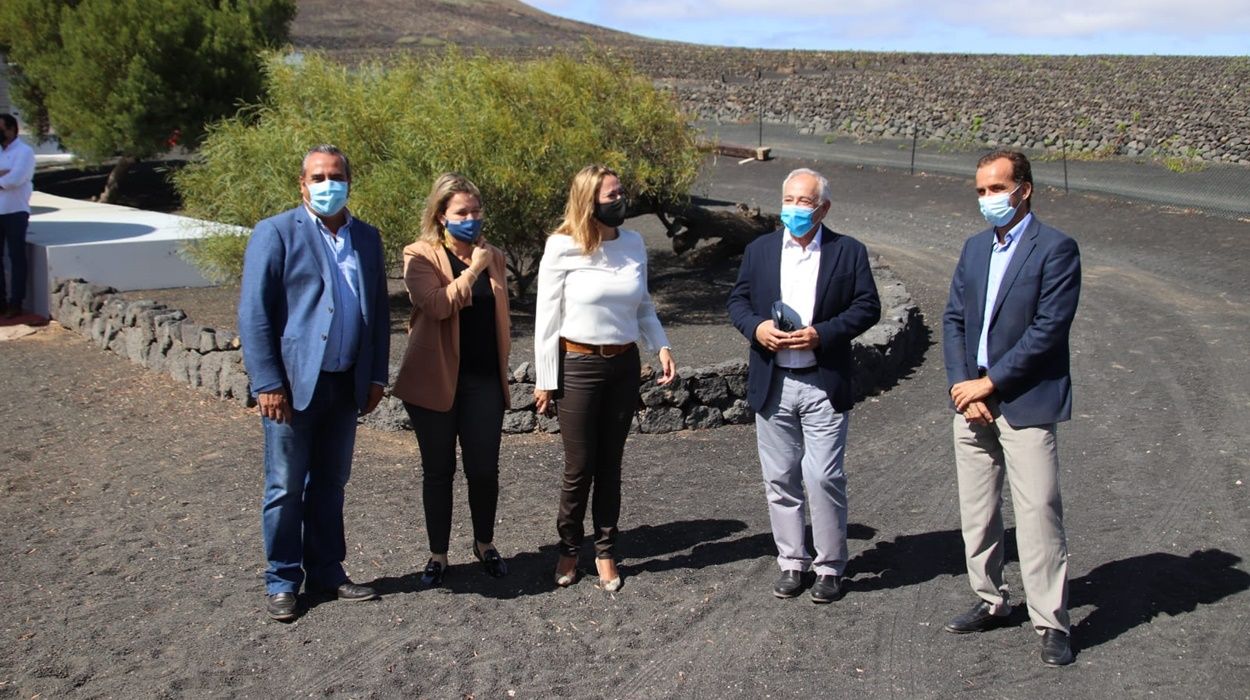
{"points": [[825, 194], [329, 150]]}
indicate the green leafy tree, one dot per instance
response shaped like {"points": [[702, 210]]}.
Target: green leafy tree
{"points": [[130, 78], [518, 130]]}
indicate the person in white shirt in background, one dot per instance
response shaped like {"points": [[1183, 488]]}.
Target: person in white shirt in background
{"points": [[593, 311], [17, 168]]}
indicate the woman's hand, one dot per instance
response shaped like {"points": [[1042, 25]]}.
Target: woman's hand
{"points": [[479, 259], [668, 365], [545, 401]]}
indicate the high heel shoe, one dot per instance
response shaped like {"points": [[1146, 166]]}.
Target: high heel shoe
{"points": [[611, 585], [563, 578]]}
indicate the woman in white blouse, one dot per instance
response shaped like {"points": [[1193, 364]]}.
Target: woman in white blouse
{"points": [[593, 311]]}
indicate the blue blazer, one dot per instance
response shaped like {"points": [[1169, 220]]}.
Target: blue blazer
{"points": [[286, 300], [1029, 323], [846, 306]]}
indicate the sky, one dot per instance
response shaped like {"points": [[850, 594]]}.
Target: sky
{"points": [[1142, 27]]}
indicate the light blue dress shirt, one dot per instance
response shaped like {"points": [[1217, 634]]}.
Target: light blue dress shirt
{"points": [[1000, 258], [343, 340]]}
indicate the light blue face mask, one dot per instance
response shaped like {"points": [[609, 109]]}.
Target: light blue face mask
{"points": [[997, 209], [327, 197], [798, 220]]}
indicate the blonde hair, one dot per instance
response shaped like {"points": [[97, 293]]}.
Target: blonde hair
{"points": [[579, 213], [445, 187]]}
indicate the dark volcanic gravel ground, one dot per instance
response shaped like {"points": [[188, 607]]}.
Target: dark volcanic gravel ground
{"points": [[132, 558]]}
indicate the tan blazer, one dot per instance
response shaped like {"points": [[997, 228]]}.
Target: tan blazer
{"points": [[427, 377]]}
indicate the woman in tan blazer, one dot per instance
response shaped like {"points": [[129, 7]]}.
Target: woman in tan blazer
{"points": [[454, 377]]}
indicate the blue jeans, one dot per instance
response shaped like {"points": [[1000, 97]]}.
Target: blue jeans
{"points": [[307, 464], [13, 238]]}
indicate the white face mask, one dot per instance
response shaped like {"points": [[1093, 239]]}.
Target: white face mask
{"points": [[997, 209]]}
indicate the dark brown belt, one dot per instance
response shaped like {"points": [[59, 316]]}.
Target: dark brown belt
{"points": [[600, 350]]}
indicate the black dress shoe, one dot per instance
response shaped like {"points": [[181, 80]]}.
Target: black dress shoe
{"points": [[978, 619], [789, 584], [1056, 649], [494, 564], [354, 591], [281, 606], [433, 574], [827, 588]]}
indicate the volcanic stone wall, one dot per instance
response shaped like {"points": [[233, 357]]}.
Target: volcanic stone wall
{"points": [[1094, 106], [164, 340], [1193, 107]]}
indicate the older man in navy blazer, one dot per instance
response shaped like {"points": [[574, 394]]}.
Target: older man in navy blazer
{"points": [[1005, 341], [799, 380], [315, 326]]}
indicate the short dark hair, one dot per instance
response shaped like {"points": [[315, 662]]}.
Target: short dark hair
{"points": [[1021, 170], [10, 121], [329, 150]]}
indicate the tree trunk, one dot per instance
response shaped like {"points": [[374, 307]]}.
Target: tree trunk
{"points": [[687, 224], [114, 183]]}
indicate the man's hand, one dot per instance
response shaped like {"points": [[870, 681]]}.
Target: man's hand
{"points": [[971, 390], [977, 413], [544, 401], [275, 405], [805, 338], [766, 334], [375, 397], [668, 366]]}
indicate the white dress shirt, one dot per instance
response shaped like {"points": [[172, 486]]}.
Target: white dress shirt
{"points": [[596, 299], [800, 270], [15, 185]]}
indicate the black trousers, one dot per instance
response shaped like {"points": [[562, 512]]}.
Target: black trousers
{"points": [[596, 409], [13, 239], [476, 418]]}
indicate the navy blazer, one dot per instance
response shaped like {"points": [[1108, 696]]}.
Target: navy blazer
{"points": [[286, 301], [846, 306], [1029, 323]]}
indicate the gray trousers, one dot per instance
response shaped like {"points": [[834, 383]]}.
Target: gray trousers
{"points": [[1029, 457], [802, 441]]}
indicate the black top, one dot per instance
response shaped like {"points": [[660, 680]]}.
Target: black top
{"points": [[479, 342]]}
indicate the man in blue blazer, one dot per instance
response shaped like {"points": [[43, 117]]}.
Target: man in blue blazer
{"points": [[315, 325], [799, 380], [1005, 341]]}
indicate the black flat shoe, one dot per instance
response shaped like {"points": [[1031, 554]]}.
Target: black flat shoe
{"points": [[789, 584], [1056, 648], [494, 564], [978, 619], [281, 606], [433, 575], [827, 589]]}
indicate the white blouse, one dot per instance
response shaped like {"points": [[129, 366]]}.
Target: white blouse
{"points": [[596, 299]]}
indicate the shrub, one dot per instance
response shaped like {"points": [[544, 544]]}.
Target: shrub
{"points": [[518, 130]]}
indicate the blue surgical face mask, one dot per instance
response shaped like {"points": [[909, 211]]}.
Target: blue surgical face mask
{"points": [[466, 230], [327, 197], [997, 209], [798, 220]]}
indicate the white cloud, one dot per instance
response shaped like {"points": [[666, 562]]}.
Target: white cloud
{"points": [[1019, 17]]}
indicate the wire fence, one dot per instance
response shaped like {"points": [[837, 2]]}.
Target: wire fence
{"points": [[1187, 183]]}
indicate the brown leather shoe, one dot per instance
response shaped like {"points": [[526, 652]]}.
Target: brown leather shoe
{"points": [[348, 591], [281, 606]]}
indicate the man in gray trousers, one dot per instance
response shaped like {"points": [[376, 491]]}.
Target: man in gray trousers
{"points": [[802, 294]]}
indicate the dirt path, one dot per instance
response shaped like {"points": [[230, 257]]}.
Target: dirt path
{"points": [[132, 562]]}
